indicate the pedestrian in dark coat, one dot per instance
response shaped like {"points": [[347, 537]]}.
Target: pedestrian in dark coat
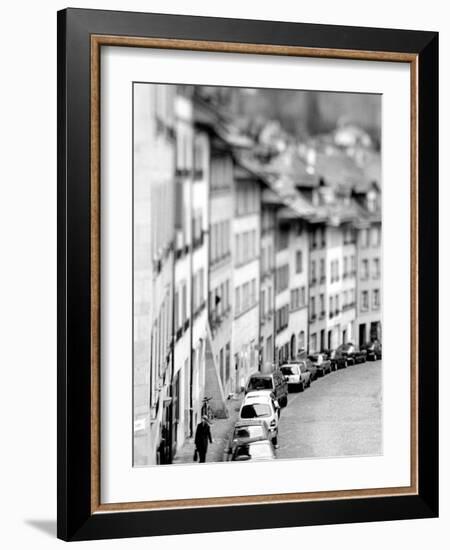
{"points": [[202, 438]]}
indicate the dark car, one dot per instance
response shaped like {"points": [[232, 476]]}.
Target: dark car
{"points": [[373, 350], [274, 381], [338, 360], [246, 430], [321, 362], [352, 354], [310, 366], [259, 449]]}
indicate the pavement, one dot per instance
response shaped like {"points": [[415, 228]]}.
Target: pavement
{"points": [[340, 415], [220, 431]]}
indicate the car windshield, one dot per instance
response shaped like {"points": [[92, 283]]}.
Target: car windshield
{"points": [[256, 410], [260, 384], [253, 452], [287, 370], [248, 431]]}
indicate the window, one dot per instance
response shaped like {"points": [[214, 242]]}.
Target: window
{"points": [[376, 268], [313, 272], [198, 159], [302, 296], [331, 308], [322, 304], [293, 299], [298, 261], [282, 239], [364, 269], [313, 343], [238, 249], [364, 300], [245, 296], [282, 278], [365, 238], [376, 236], [237, 301], [345, 267], [282, 318], [376, 299], [323, 237], [322, 271], [227, 361]]}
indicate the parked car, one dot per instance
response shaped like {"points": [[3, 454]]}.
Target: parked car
{"points": [[258, 449], [262, 405], [373, 350], [274, 381], [310, 366], [297, 375], [330, 354], [350, 351], [322, 363], [244, 431]]}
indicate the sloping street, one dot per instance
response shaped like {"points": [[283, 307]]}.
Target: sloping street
{"points": [[340, 415]]}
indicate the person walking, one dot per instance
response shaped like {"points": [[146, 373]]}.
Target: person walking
{"points": [[202, 438]]}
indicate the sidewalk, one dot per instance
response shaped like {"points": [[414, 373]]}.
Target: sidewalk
{"points": [[220, 431]]}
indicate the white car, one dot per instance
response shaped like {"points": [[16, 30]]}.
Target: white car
{"points": [[262, 404], [297, 375]]}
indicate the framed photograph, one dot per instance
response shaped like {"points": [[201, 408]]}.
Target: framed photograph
{"points": [[247, 274]]}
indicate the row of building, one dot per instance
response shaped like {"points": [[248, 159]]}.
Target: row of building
{"points": [[244, 256]]}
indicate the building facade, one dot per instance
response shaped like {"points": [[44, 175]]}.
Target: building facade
{"points": [[245, 231], [190, 270], [267, 282], [154, 169]]}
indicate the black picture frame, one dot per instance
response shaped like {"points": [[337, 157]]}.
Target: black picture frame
{"points": [[75, 518]]}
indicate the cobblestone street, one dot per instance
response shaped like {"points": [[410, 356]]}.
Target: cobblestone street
{"points": [[340, 415]]}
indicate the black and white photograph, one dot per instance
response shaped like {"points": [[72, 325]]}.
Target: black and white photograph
{"points": [[257, 277]]}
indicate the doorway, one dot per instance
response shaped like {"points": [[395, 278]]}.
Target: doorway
{"points": [[362, 334]]}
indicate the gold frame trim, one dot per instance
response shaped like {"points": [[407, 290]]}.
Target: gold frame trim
{"points": [[97, 41]]}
